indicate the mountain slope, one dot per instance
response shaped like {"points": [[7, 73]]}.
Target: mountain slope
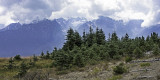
{"points": [[29, 39], [109, 25]]}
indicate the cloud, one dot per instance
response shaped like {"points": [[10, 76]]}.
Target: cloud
{"points": [[25, 11]]}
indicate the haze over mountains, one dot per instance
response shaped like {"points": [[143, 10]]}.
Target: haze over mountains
{"points": [[38, 36]]}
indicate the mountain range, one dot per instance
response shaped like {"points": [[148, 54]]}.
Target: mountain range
{"points": [[44, 35]]}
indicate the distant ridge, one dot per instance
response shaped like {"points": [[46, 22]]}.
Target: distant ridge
{"points": [[43, 35]]}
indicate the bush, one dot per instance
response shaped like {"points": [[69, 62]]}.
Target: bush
{"points": [[119, 69], [116, 57], [158, 77], [128, 59], [17, 57], [138, 52], [22, 69]]}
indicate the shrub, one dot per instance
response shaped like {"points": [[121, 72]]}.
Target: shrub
{"points": [[158, 77], [31, 63], [116, 57], [120, 69], [128, 59], [17, 57], [138, 52], [23, 69], [11, 64]]}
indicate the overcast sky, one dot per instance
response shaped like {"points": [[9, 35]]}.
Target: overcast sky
{"points": [[25, 11]]}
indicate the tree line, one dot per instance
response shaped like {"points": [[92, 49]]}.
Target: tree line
{"points": [[93, 46]]}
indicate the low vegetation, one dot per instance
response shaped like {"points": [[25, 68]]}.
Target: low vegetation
{"points": [[120, 69], [145, 64], [117, 77]]}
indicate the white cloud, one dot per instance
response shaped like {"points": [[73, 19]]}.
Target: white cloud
{"points": [[117, 9], [25, 11], [1, 10], [5, 18]]}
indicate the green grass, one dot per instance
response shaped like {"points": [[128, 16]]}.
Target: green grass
{"points": [[117, 77], [44, 63], [10, 74], [61, 72], [145, 64]]}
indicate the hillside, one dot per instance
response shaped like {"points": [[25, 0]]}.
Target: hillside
{"points": [[102, 70], [29, 39], [91, 57]]}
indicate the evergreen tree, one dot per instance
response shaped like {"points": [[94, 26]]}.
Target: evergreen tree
{"points": [[154, 37], [78, 60], [126, 38], [104, 55], [54, 52], [70, 40], [109, 37], [35, 58], [156, 50], [142, 44], [55, 49], [97, 35], [131, 48], [78, 40], [84, 39], [114, 37], [113, 50], [137, 52], [100, 37], [42, 55], [47, 55], [17, 57], [96, 52], [90, 37], [62, 60], [23, 69], [11, 63], [148, 38]]}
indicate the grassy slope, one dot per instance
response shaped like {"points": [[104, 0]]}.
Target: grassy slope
{"points": [[103, 70], [9, 74]]}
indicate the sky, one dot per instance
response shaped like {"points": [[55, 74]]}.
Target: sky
{"points": [[25, 11]]}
